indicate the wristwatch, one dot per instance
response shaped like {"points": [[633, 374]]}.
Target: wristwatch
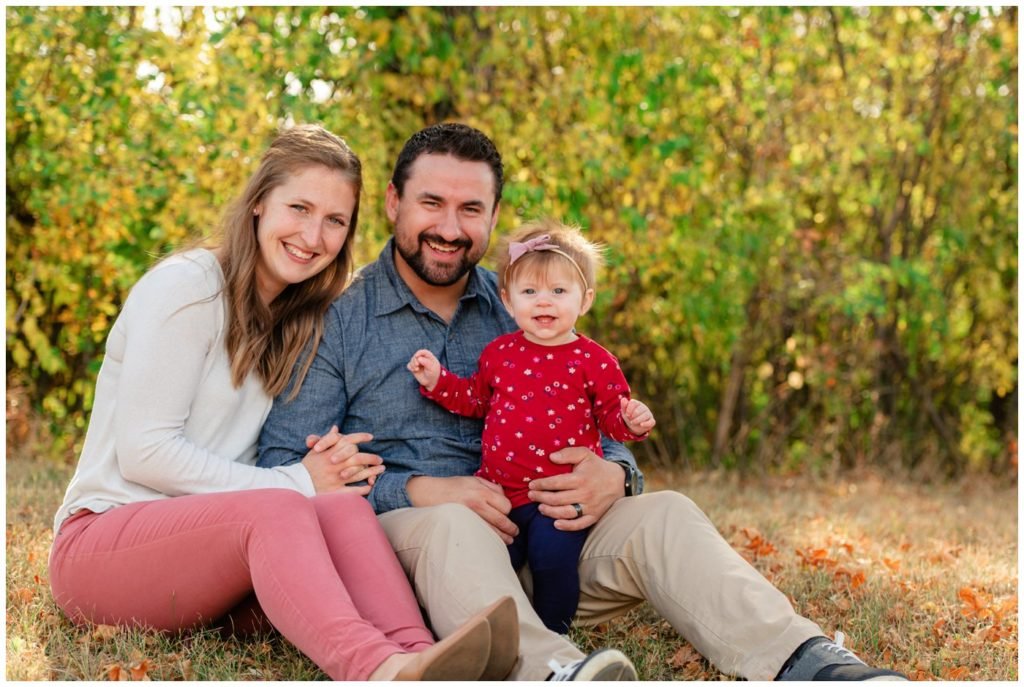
{"points": [[634, 478]]}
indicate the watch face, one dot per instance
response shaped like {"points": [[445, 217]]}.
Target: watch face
{"points": [[638, 483]]}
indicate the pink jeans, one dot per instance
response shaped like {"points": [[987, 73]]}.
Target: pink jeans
{"points": [[321, 569]]}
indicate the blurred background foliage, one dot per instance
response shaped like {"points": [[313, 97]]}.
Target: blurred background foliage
{"points": [[810, 214]]}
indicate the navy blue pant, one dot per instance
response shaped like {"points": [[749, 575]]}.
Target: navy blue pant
{"points": [[554, 558]]}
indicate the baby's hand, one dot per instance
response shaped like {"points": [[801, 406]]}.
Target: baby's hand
{"points": [[638, 417], [426, 368]]}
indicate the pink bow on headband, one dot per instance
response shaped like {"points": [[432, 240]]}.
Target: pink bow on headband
{"points": [[516, 250]]}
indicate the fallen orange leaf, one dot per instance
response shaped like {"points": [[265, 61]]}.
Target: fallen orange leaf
{"points": [[891, 564], [816, 558], [140, 670], [1008, 607], [115, 673], [907, 586], [994, 633], [975, 604], [958, 673], [854, 578], [756, 543]]}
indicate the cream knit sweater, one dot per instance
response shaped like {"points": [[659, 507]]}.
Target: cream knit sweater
{"points": [[166, 419]]}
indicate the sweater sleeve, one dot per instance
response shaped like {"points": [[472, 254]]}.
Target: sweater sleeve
{"points": [[608, 387], [170, 328], [467, 397]]}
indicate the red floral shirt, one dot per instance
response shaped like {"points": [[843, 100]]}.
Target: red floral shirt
{"points": [[537, 400]]}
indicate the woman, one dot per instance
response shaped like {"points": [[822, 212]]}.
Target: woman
{"points": [[168, 524]]}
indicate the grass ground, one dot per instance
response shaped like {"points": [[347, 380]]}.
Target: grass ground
{"points": [[921, 578]]}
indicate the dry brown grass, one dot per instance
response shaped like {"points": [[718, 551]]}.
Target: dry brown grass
{"points": [[921, 578]]}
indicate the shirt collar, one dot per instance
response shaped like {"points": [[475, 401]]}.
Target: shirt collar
{"points": [[394, 294]]}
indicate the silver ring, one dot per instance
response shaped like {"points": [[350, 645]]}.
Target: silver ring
{"points": [[579, 510]]}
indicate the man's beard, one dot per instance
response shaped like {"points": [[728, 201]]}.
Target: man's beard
{"points": [[437, 275]]}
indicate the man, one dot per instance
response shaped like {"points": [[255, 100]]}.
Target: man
{"points": [[426, 291]]}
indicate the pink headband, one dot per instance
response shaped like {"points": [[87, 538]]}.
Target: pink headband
{"points": [[517, 250]]}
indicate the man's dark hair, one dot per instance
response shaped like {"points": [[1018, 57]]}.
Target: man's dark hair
{"points": [[450, 138]]}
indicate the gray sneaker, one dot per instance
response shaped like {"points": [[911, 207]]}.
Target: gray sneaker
{"points": [[602, 665], [821, 659]]}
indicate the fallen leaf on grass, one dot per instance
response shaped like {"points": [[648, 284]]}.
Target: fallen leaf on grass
{"points": [[896, 613], [815, 558], [115, 673], [683, 655], [186, 670], [922, 672], [141, 669], [756, 543], [907, 586], [25, 595], [994, 633], [852, 578], [972, 602], [891, 564], [104, 632], [694, 671], [939, 628], [1007, 608], [958, 673], [642, 633]]}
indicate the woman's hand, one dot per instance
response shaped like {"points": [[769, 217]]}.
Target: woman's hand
{"points": [[334, 461]]}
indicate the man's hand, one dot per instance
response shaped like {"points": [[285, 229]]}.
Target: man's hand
{"points": [[594, 483], [480, 496]]}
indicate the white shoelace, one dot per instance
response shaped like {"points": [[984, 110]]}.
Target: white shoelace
{"points": [[560, 672], [837, 647]]}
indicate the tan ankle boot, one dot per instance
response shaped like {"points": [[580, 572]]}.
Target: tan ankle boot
{"points": [[503, 620], [462, 655]]}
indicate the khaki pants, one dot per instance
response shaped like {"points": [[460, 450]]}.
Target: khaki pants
{"points": [[659, 547]]}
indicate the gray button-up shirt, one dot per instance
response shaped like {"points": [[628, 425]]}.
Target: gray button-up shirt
{"points": [[359, 382]]}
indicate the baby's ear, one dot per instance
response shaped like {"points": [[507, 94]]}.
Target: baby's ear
{"points": [[506, 300], [588, 300]]}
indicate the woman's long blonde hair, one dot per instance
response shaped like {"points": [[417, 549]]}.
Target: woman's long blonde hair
{"points": [[269, 339]]}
